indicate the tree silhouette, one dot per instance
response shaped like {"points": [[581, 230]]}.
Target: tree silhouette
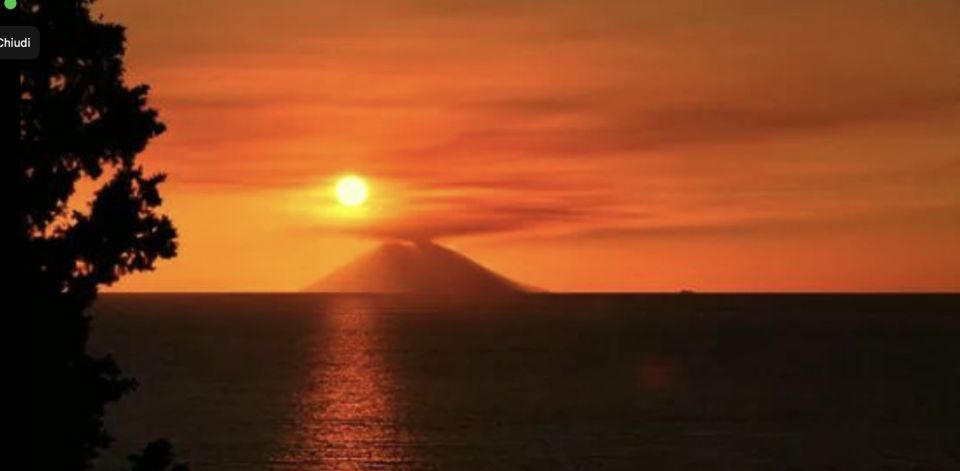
{"points": [[156, 456], [80, 124]]}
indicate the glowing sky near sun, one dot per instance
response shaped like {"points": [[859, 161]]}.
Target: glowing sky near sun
{"points": [[581, 145]]}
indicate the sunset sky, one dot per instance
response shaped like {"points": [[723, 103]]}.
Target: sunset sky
{"points": [[589, 145]]}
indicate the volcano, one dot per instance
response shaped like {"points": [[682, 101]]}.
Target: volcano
{"points": [[415, 268]]}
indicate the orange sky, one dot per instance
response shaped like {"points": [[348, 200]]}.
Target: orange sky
{"points": [[577, 145]]}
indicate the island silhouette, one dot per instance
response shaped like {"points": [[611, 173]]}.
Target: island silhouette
{"points": [[416, 267]]}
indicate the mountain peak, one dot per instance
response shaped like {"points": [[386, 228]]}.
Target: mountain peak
{"points": [[415, 268]]}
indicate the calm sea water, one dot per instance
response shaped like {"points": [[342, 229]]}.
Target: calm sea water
{"points": [[539, 382]]}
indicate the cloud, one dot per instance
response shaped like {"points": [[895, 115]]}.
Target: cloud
{"points": [[778, 225], [460, 219], [428, 229], [609, 127]]}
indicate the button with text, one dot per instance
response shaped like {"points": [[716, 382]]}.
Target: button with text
{"points": [[19, 42]]}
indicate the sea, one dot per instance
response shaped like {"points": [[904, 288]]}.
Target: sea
{"points": [[537, 382]]}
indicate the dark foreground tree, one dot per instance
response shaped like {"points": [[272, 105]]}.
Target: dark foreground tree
{"points": [[80, 126]]}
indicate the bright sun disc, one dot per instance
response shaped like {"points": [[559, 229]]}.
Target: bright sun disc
{"points": [[351, 191]]}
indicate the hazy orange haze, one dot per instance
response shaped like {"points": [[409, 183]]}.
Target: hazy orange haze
{"points": [[578, 145]]}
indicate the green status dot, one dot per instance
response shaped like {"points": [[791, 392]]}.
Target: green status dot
{"points": [[10, 4]]}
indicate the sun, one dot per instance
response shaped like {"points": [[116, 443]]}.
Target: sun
{"points": [[352, 191]]}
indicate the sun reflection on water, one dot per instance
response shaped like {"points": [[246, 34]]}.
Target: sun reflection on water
{"points": [[345, 414]]}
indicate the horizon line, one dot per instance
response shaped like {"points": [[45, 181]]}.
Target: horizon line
{"points": [[544, 293]]}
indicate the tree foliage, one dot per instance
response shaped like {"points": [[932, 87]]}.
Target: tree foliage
{"points": [[81, 126]]}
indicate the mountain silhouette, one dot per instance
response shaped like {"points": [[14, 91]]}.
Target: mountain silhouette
{"points": [[416, 268]]}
